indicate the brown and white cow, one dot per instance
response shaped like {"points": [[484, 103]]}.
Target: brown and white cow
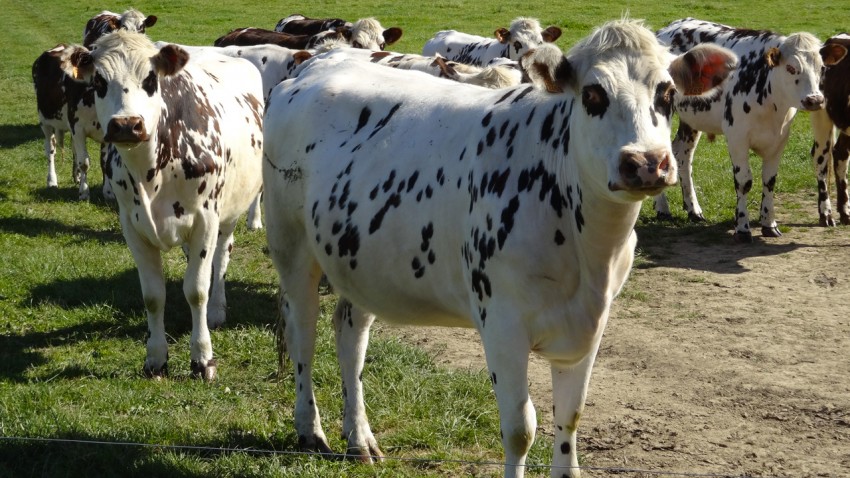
{"points": [[184, 162], [107, 22], [835, 84], [511, 211], [297, 24], [523, 35], [366, 33], [258, 36]]}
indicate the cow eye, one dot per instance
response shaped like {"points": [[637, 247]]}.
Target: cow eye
{"points": [[356, 44], [99, 85], [149, 84], [791, 69], [517, 46], [595, 100]]}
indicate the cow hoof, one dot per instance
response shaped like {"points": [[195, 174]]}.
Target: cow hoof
{"points": [[664, 216], [770, 232], [845, 220], [315, 444], [206, 372], [156, 373], [743, 237], [694, 217], [826, 220], [368, 454]]}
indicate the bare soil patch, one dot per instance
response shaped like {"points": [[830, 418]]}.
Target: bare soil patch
{"points": [[718, 357]]}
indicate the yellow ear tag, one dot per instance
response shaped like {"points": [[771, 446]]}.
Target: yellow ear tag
{"points": [[75, 73]]}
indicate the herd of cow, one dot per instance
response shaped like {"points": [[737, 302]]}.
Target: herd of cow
{"points": [[509, 208]]}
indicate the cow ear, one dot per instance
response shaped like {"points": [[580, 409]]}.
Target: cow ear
{"points": [[170, 60], [76, 61], [551, 34], [547, 67], [301, 56], [772, 57], [832, 53], [345, 32], [392, 35], [503, 35], [702, 68], [446, 70], [150, 21]]}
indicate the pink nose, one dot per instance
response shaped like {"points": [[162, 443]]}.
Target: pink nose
{"points": [[813, 102], [126, 129], [645, 170]]}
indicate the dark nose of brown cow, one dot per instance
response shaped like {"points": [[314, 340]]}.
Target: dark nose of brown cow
{"points": [[813, 102], [126, 129], [645, 170]]}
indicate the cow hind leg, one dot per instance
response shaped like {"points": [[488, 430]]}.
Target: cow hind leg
{"points": [[351, 327], [255, 219], [50, 136], [840, 162], [81, 164], [217, 305]]}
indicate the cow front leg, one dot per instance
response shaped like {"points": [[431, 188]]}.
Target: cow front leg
{"points": [[351, 327], [767, 215], [840, 162], [217, 306], [569, 391], [743, 177], [196, 286], [507, 351], [822, 130], [108, 194]]}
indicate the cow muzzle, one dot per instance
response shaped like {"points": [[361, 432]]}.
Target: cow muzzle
{"points": [[126, 130], [813, 102], [649, 171]]}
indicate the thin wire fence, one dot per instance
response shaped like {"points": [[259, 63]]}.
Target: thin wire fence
{"points": [[339, 456]]}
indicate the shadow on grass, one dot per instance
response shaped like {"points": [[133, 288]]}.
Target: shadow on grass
{"points": [[83, 454], [707, 247], [36, 227], [70, 192], [13, 135], [121, 296]]}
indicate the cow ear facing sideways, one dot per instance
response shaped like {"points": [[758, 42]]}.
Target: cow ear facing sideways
{"points": [[503, 35], [77, 63], [772, 57], [170, 60], [702, 68], [150, 21], [392, 35], [832, 53], [551, 34], [546, 67]]}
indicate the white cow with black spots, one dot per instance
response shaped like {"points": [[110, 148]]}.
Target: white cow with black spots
{"points": [[777, 76], [434, 203], [523, 35], [185, 155]]}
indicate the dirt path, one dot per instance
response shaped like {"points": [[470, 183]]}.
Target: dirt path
{"points": [[718, 358]]}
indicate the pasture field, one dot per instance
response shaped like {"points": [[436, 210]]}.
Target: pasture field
{"points": [[72, 322]]}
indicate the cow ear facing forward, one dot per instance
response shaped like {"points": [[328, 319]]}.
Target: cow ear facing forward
{"points": [[503, 35], [170, 60], [702, 68], [392, 35], [833, 53], [772, 57], [77, 63], [547, 67], [551, 34]]}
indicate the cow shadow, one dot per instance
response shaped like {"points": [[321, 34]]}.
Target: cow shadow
{"points": [[706, 247], [35, 227], [71, 193], [14, 135], [121, 296]]}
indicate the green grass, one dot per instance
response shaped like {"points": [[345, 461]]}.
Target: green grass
{"points": [[72, 323]]}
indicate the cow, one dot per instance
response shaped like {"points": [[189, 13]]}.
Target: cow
{"points": [[777, 76], [436, 203], [825, 153], [107, 22], [258, 36], [297, 24], [366, 33], [523, 35], [185, 138], [493, 76]]}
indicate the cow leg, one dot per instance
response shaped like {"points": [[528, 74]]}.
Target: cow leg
{"points": [[149, 264], [351, 326], [81, 162], [255, 218], [821, 157], [839, 157], [743, 177], [684, 144], [217, 305], [569, 391], [769, 170], [507, 360], [50, 136], [108, 194], [196, 287]]}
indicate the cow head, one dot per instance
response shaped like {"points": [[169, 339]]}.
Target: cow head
{"points": [[620, 85], [134, 21], [367, 33], [125, 69], [797, 66], [524, 35]]}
